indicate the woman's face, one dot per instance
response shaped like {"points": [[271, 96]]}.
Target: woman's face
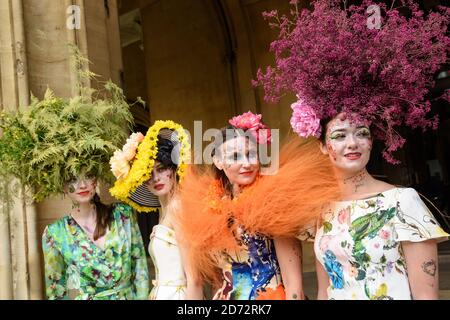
{"points": [[238, 158], [347, 144], [162, 180], [81, 190]]}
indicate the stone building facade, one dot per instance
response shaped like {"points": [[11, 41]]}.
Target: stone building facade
{"points": [[190, 60]]}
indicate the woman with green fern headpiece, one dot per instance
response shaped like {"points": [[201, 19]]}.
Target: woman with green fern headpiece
{"points": [[59, 146]]}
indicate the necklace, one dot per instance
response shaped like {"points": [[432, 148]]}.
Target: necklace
{"points": [[357, 180]]}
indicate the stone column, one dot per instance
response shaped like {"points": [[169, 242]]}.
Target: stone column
{"points": [[34, 55], [19, 261]]}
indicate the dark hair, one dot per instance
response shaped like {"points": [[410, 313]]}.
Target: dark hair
{"points": [[104, 217], [164, 155], [323, 126]]}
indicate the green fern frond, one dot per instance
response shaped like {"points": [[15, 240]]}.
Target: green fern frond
{"points": [[54, 139], [44, 155]]}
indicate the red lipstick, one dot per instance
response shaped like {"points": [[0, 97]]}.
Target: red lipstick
{"points": [[353, 155]]}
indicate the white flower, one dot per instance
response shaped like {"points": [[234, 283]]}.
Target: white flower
{"points": [[119, 162], [119, 165]]}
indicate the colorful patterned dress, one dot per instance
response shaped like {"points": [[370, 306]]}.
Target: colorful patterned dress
{"points": [[170, 282], [252, 273], [76, 268], [359, 244]]}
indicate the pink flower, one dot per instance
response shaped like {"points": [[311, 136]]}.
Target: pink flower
{"points": [[139, 137], [304, 120], [337, 64], [246, 121], [324, 243], [119, 165], [352, 271], [120, 161], [384, 234], [252, 122], [129, 152], [134, 139], [271, 14], [262, 135], [130, 147], [343, 216]]}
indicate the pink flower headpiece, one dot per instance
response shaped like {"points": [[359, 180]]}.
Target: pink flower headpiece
{"points": [[252, 122], [367, 59], [304, 120]]}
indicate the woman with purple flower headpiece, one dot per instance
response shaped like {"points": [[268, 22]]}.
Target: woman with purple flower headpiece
{"points": [[359, 77]]}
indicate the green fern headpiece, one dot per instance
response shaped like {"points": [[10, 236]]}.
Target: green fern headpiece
{"points": [[54, 140]]}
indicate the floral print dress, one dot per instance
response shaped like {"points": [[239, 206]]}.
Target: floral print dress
{"points": [[359, 244], [76, 268], [251, 273]]}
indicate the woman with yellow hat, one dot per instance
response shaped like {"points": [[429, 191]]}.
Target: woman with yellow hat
{"points": [[148, 170]]}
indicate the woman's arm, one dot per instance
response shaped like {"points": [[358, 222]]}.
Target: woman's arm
{"points": [[289, 257], [422, 265], [194, 289], [323, 282], [139, 267], [194, 283], [55, 269]]}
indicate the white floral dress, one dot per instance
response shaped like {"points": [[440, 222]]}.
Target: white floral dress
{"points": [[359, 243]]}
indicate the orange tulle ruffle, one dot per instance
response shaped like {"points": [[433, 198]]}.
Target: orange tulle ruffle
{"points": [[279, 205], [203, 223]]}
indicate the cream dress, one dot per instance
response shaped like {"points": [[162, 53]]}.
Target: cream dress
{"points": [[170, 282]]}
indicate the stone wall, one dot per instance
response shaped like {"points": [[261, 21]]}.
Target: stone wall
{"points": [[34, 55], [195, 61]]}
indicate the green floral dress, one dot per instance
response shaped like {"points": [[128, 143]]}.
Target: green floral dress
{"points": [[359, 244], [76, 268]]}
